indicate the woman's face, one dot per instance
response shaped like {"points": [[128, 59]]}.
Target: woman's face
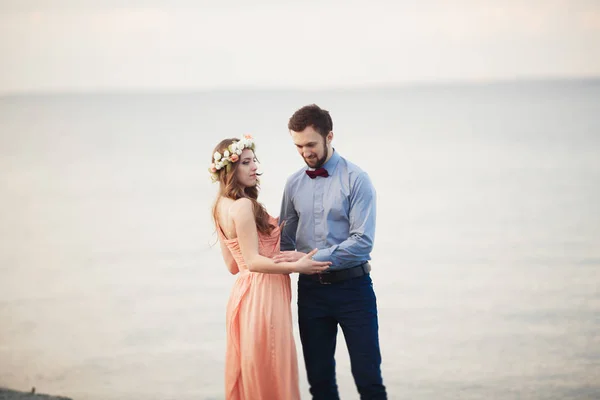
{"points": [[246, 171]]}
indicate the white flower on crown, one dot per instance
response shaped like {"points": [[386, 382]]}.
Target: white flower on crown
{"points": [[230, 155], [237, 148]]}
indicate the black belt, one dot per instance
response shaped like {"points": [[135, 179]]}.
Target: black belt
{"points": [[327, 278]]}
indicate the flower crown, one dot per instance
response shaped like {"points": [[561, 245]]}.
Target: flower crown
{"points": [[229, 156]]}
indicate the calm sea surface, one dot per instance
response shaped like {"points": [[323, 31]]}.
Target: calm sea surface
{"points": [[486, 264]]}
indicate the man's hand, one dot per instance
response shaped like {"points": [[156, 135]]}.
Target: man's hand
{"points": [[288, 256]]}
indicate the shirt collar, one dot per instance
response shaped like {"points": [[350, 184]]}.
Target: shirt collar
{"points": [[332, 162]]}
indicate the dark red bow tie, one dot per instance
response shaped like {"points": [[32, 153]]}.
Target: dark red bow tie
{"points": [[317, 172]]}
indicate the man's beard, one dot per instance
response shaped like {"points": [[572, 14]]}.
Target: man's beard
{"points": [[320, 161]]}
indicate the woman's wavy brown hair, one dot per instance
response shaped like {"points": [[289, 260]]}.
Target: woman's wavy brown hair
{"points": [[230, 187]]}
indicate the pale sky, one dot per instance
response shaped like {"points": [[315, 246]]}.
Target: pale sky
{"points": [[84, 45]]}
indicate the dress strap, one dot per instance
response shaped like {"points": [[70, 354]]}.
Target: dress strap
{"points": [[220, 229]]}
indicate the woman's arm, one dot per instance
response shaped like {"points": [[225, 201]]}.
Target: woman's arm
{"points": [[247, 235]]}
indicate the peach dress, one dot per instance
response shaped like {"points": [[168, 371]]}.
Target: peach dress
{"points": [[261, 361]]}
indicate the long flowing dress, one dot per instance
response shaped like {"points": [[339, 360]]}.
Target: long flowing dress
{"points": [[261, 360]]}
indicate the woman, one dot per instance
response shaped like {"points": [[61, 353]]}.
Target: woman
{"points": [[261, 358]]}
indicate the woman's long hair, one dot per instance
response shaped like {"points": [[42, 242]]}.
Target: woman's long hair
{"points": [[230, 187]]}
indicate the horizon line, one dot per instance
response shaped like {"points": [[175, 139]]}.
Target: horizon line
{"points": [[333, 88]]}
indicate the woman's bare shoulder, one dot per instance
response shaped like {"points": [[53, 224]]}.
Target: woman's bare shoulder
{"points": [[242, 205]]}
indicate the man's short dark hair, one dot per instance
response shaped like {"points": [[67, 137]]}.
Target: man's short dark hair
{"points": [[311, 115]]}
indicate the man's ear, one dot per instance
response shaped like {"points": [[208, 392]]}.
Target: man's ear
{"points": [[329, 136]]}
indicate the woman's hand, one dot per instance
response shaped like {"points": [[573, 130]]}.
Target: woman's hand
{"points": [[306, 265]]}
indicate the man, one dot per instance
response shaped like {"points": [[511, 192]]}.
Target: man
{"points": [[331, 206]]}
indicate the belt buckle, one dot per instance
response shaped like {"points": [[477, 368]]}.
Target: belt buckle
{"points": [[321, 281]]}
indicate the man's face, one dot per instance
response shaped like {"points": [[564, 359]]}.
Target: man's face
{"points": [[312, 146]]}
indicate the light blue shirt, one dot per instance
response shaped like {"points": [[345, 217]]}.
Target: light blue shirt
{"points": [[334, 214]]}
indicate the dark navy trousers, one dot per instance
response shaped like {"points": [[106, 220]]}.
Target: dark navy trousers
{"points": [[352, 305]]}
